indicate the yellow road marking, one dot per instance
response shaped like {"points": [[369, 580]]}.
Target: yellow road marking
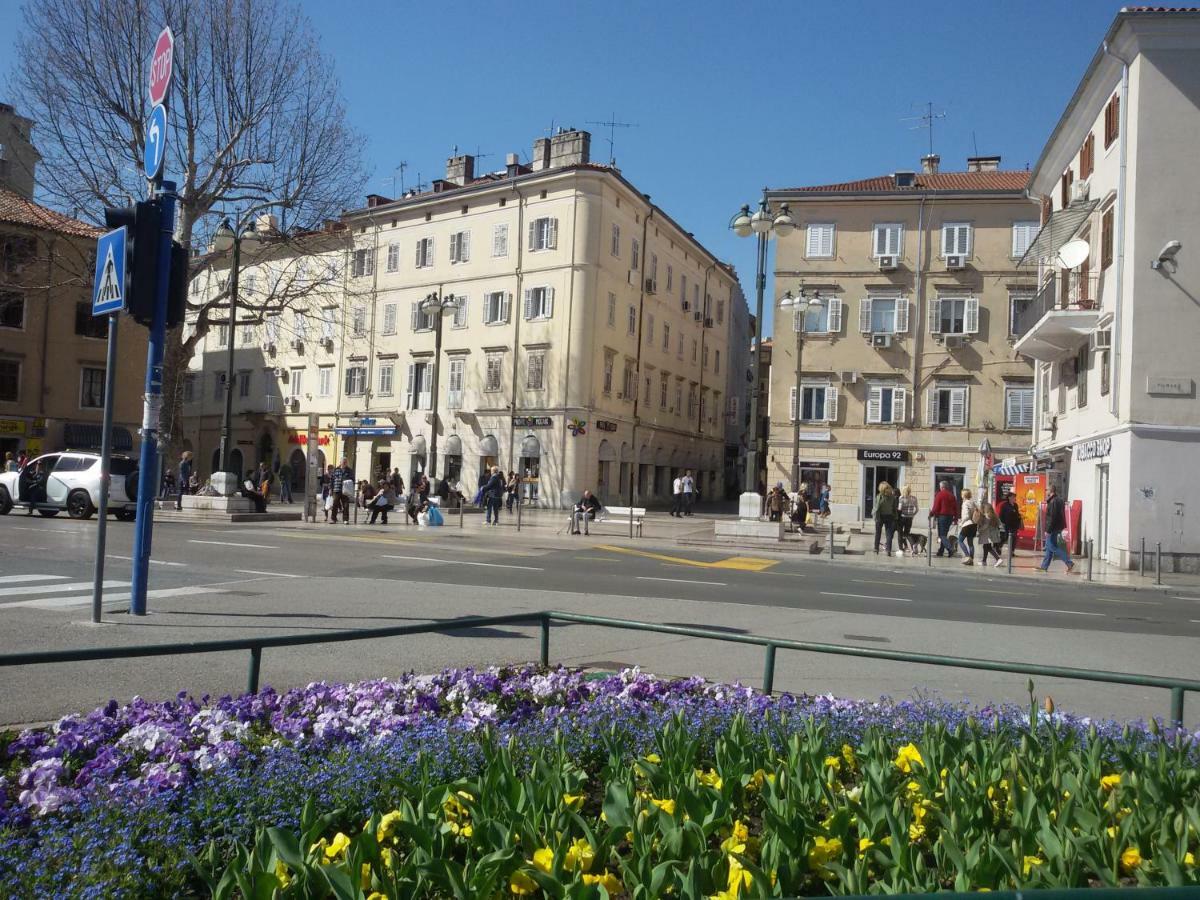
{"points": [[739, 563], [599, 558]]}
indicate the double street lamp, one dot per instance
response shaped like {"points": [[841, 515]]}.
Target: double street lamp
{"points": [[436, 306], [799, 305]]}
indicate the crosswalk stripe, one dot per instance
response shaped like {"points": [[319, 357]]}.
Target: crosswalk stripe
{"points": [[56, 588], [19, 579], [112, 597]]}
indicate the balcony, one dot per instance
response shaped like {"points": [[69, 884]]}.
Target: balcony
{"points": [[1059, 318]]}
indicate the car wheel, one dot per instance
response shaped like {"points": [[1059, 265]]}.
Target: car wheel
{"points": [[79, 505], [49, 513], [126, 515], [6, 503], [131, 485]]}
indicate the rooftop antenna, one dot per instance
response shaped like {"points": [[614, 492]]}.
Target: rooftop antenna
{"points": [[612, 125], [479, 154], [926, 121], [400, 168], [974, 142]]}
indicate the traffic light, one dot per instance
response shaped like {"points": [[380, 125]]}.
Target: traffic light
{"points": [[143, 224], [178, 288]]}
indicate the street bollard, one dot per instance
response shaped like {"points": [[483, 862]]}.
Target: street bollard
{"points": [[520, 505], [1158, 563], [1090, 550], [1142, 561], [631, 521], [831, 540], [929, 546], [462, 510], [1012, 550], [253, 670], [768, 686]]}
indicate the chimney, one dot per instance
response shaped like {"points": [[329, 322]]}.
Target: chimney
{"points": [[983, 163], [930, 163], [460, 169], [570, 148], [374, 200], [512, 165], [541, 155]]}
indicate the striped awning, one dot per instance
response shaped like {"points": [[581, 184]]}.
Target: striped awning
{"points": [[1010, 470]]}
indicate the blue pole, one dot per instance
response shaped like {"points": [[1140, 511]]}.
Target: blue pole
{"points": [[152, 408]]}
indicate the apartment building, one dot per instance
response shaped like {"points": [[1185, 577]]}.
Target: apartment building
{"points": [[585, 341], [1112, 330], [18, 156], [907, 366]]}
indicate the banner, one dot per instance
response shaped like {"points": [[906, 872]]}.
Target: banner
{"points": [[1031, 494]]}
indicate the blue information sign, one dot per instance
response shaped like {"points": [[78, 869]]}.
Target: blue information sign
{"points": [[108, 287], [156, 142]]}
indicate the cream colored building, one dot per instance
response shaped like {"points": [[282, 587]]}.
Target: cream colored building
{"points": [[589, 348], [909, 364]]}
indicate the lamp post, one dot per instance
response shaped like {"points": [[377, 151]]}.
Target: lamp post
{"points": [[435, 305], [800, 305], [765, 224]]}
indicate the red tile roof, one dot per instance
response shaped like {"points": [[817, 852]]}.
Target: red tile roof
{"points": [[942, 181], [16, 210]]}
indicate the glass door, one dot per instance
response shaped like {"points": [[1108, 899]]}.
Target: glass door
{"points": [[1102, 511]]}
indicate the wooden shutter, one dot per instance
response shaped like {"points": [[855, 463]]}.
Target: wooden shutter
{"points": [[958, 406], [529, 303], [931, 412], [971, 316], [505, 306], [874, 405], [551, 234], [948, 232], [814, 241], [1012, 405], [460, 312], [831, 403], [864, 315], [902, 307], [792, 403], [533, 234], [881, 240], [416, 316], [935, 316], [899, 404], [1026, 407], [548, 305], [464, 246], [835, 316]]}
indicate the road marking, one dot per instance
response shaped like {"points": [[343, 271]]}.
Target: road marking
{"points": [[234, 544], [599, 558], [864, 596], [1138, 602], [272, 574], [1061, 612], [463, 562], [153, 562], [892, 583], [57, 588], [85, 599], [738, 563], [989, 591], [14, 579], [681, 581]]}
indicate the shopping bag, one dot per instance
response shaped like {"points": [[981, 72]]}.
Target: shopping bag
{"points": [[422, 519], [479, 497], [435, 516], [329, 503]]}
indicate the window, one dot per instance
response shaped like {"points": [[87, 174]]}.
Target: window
{"points": [[1112, 120], [883, 315], [632, 320], [219, 380], [495, 372], [696, 298], [1082, 364], [543, 234], [1018, 302], [1068, 179], [610, 359], [654, 267], [420, 384], [888, 240], [393, 258], [629, 384], [389, 318], [1087, 156], [670, 277], [539, 303], [1018, 408], [535, 374], [948, 405], [272, 328], [823, 319], [1023, 234], [954, 315], [362, 265], [956, 239], [419, 319], [12, 310], [818, 404], [189, 388], [664, 381], [705, 355], [885, 404], [454, 390], [458, 319], [820, 241], [328, 314], [679, 348], [387, 372], [296, 382], [666, 337], [635, 254], [691, 404], [424, 253], [10, 380], [223, 335], [695, 349], [86, 325], [1104, 373], [1106, 239], [243, 383], [495, 308], [717, 362], [245, 335], [249, 283], [612, 309], [460, 247], [615, 247], [650, 329], [499, 240], [325, 381], [683, 289], [720, 312], [679, 396]]}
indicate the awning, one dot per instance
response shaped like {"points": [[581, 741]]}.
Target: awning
{"points": [[488, 446], [417, 448], [531, 447], [454, 445], [1060, 228], [1010, 470], [87, 436]]}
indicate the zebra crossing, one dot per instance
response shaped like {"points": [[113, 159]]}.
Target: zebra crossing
{"points": [[46, 591]]}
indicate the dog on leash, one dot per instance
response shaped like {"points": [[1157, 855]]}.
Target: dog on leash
{"points": [[917, 543]]}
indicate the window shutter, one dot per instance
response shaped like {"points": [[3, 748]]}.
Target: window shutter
{"points": [[899, 398], [505, 306], [931, 413], [964, 240], [947, 240], [533, 235], [416, 316], [792, 403], [874, 405], [827, 240], [418, 247], [958, 406], [835, 316], [548, 310], [551, 234], [935, 316], [454, 247], [529, 303], [880, 241], [464, 246], [814, 241], [902, 305], [460, 312], [864, 315], [1026, 397], [1012, 411], [971, 316], [831, 401]]}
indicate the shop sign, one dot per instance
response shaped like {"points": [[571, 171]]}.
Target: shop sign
{"points": [[302, 439], [605, 425], [1171, 385], [816, 436], [1096, 448], [814, 465], [532, 421], [867, 454], [368, 431], [12, 426], [950, 470]]}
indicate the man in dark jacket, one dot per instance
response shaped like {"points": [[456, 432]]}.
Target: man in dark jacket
{"points": [[945, 511], [1056, 524], [1011, 522], [337, 480], [586, 510], [493, 497], [185, 477]]}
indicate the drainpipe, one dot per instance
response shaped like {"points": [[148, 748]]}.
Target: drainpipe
{"points": [[636, 465], [41, 401], [1114, 401], [516, 314], [919, 318], [703, 335]]}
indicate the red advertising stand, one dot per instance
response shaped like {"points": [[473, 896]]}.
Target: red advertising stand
{"points": [[1029, 493]]}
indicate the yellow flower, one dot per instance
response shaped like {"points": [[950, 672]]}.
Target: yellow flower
{"points": [[864, 844], [1108, 782], [606, 880], [573, 801], [824, 849], [913, 790], [580, 855], [653, 758], [667, 806], [284, 874], [849, 757], [736, 842], [365, 876], [544, 859], [756, 780], [1189, 859], [1130, 859], [389, 858], [338, 847], [915, 832], [710, 778], [1029, 862], [832, 762], [387, 825], [1111, 831], [739, 878], [521, 884], [375, 895], [907, 757]]}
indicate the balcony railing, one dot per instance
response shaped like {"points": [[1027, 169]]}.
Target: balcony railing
{"points": [[1068, 291]]}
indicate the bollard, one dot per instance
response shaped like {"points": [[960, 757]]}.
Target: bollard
{"points": [[1158, 563], [1142, 561], [545, 648], [831, 540], [929, 545], [631, 521], [1012, 550], [1090, 550], [519, 506], [462, 510], [1177, 706], [252, 672], [769, 670]]}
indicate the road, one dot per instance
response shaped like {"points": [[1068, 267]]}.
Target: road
{"points": [[211, 581]]}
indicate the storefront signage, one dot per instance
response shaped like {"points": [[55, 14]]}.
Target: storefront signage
{"points": [[814, 465], [532, 421], [368, 431], [867, 454], [950, 470], [1093, 449], [302, 439], [815, 436], [1173, 385], [605, 425], [12, 426]]}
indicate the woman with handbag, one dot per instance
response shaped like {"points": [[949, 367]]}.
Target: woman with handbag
{"points": [[885, 515], [969, 519]]}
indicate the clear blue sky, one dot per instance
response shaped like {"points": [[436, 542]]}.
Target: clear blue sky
{"points": [[726, 97]]}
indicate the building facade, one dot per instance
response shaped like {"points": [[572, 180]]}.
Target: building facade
{"points": [[585, 345], [1113, 328], [907, 367], [18, 156]]}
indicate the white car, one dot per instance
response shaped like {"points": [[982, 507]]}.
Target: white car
{"points": [[70, 480]]}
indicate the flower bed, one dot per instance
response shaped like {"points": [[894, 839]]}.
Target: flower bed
{"points": [[514, 782]]}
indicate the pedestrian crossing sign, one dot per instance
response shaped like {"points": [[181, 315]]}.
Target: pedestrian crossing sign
{"points": [[108, 291]]}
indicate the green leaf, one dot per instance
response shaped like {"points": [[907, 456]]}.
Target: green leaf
{"points": [[287, 845]]}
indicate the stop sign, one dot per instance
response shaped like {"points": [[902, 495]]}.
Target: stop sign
{"points": [[161, 65]]}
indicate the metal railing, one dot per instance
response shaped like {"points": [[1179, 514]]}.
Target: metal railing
{"points": [[1064, 291], [1177, 687]]}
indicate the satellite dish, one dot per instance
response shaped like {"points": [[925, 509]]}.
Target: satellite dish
{"points": [[1074, 253]]}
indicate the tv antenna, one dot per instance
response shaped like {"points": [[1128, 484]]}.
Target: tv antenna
{"points": [[399, 169], [612, 125], [926, 120]]}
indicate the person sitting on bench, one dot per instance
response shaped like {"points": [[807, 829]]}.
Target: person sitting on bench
{"points": [[586, 509], [248, 491]]}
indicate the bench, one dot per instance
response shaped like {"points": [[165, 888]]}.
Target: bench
{"points": [[613, 515]]}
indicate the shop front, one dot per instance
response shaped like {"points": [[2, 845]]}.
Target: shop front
{"points": [[879, 466]]}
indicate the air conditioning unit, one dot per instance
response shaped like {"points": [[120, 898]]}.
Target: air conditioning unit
{"points": [[886, 263], [953, 340], [651, 286], [1080, 189], [281, 373], [881, 340], [708, 323], [697, 315], [629, 276], [686, 306], [1102, 340], [955, 262], [293, 404], [849, 377]]}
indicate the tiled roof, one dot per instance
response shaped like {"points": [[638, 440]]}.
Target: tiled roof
{"points": [[16, 210], [1160, 9], [941, 181]]}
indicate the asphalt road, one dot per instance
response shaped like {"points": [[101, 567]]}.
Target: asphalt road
{"points": [[210, 582]]}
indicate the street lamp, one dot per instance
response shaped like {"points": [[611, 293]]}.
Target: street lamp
{"points": [[764, 223], [799, 305], [435, 305]]}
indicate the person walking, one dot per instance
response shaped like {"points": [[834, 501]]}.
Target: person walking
{"points": [[327, 501], [1056, 524], [493, 495], [944, 510], [1010, 524], [185, 477], [968, 525], [906, 511], [989, 532], [885, 513], [397, 483], [823, 508], [677, 496], [383, 502], [338, 480], [799, 513], [285, 483], [689, 492], [512, 487], [262, 479]]}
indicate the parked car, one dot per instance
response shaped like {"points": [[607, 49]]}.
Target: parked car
{"points": [[70, 480]]}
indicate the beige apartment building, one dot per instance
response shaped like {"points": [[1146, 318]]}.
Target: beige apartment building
{"points": [[908, 365], [586, 343]]}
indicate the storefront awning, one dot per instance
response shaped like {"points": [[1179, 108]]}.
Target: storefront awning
{"points": [[1010, 470], [88, 436], [454, 445], [488, 446], [531, 447], [1059, 229]]}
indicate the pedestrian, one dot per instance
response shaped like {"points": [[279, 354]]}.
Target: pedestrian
{"points": [[366, 494], [1010, 523], [285, 484], [677, 496], [968, 524], [339, 479], [185, 477], [906, 511], [22, 459], [689, 492], [777, 503], [800, 512], [327, 501], [1056, 524], [586, 510], [884, 514], [945, 511], [397, 483], [989, 532], [383, 502], [512, 488], [262, 478], [251, 493], [493, 496], [167, 488], [823, 503]]}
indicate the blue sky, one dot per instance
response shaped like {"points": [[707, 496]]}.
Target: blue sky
{"points": [[726, 97]]}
